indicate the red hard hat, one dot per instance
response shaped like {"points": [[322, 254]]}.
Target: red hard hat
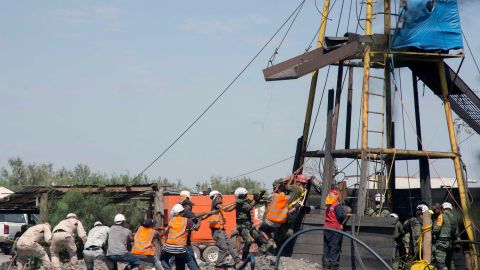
{"points": [[301, 178]]}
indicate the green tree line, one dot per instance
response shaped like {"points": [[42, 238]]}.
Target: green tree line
{"points": [[90, 208]]}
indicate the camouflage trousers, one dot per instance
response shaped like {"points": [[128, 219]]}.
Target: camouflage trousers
{"points": [[441, 251], [249, 234]]}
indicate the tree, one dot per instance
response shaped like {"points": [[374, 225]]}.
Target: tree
{"points": [[228, 186]]}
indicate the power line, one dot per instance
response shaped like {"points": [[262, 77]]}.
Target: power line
{"points": [[262, 168], [470, 50], [218, 97]]}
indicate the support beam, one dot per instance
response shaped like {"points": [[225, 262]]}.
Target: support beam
{"points": [[313, 83], [328, 160], [379, 153], [336, 112], [364, 166], [391, 172], [348, 125], [425, 186], [457, 164]]}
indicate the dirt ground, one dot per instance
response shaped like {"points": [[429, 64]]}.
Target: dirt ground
{"points": [[261, 263]]}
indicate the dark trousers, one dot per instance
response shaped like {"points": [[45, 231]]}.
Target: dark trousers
{"points": [[191, 261], [180, 260], [332, 242]]}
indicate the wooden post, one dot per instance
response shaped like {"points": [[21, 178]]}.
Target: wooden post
{"points": [[348, 125], [364, 166], [313, 83], [158, 207], [427, 237], [336, 112], [328, 160], [462, 190], [43, 206], [425, 186]]}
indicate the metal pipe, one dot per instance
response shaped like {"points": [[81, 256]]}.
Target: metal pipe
{"points": [[456, 161], [336, 112], [313, 83], [348, 127], [328, 160]]}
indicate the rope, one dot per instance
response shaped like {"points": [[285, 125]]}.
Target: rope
{"points": [[218, 97]]}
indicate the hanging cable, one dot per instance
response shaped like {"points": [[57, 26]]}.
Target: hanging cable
{"points": [[218, 97], [261, 168], [272, 58], [471, 53]]}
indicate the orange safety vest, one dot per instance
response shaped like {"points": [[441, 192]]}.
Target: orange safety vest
{"points": [[278, 209], [177, 231], [143, 242], [217, 221]]}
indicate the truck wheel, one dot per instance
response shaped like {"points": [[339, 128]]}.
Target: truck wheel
{"points": [[197, 252], [210, 254]]}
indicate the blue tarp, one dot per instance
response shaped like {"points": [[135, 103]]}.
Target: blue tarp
{"points": [[429, 25]]}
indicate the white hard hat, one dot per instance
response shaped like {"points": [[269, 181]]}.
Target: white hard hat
{"points": [[213, 193], [393, 215], [97, 223], [69, 215], [185, 193], [177, 209], [447, 205], [119, 218], [422, 207], [379, 197], [240, 191]]}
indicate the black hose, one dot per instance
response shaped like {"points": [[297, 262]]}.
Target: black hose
{"points": [[354, 245], [277, 261], [251, 260]]}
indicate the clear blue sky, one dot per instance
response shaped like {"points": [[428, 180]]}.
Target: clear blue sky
{"points": [[111, 83]]}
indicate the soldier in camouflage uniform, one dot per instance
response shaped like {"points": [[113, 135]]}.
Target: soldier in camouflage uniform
{"points": [[413, 229], [244, 207], [447, 209], [441, 238], [380, 209], [399, 245]]}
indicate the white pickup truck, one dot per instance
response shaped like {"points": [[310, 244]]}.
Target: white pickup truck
{"points": [[10, 229]]}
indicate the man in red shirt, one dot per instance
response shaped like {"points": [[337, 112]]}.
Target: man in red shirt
{"points": [[332, 241]]}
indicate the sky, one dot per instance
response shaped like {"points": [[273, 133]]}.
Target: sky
{"points": [[110, 84]]}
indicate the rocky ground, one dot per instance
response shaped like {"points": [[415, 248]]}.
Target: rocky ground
{"points": [[261, 263]]}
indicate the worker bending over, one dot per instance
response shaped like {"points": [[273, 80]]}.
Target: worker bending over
{"points": [[96, 246], [217, 225], [118, 238], [143, 243], [28, 245], [332, 241], [175, 245], [64, 237]]}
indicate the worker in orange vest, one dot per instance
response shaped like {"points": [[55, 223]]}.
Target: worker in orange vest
{"points": [[143, 243], [276, 211], [217, 225], [332, 241], [175, 245]]}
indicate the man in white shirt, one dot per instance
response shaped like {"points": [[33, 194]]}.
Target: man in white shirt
{"points": [[96, 245]]}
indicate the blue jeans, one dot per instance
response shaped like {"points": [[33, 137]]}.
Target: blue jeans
{"points": [[132, 260], [151, 259], [191, 261]]}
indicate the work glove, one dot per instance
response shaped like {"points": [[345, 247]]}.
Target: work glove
{"points": [[257, 197]]}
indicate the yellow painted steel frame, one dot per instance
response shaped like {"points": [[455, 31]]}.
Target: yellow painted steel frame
{"points": [[362, 192], [313, 83], [456, 161]]}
